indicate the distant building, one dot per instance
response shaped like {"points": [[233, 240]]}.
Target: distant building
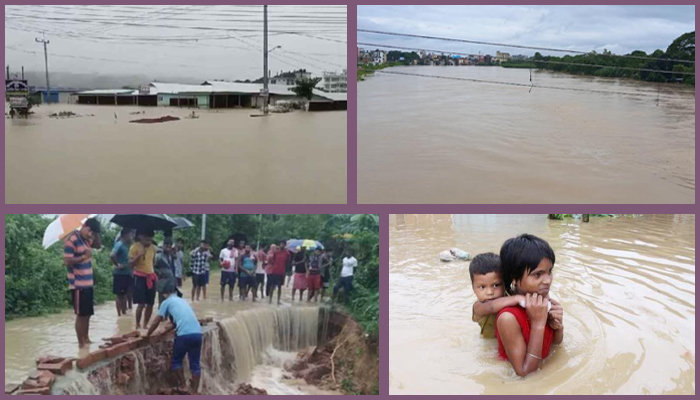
{"points": [[379, 57], [519, 57], [335, 82], [289, 78], [502, 57]]}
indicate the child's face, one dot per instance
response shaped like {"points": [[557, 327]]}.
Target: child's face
{"points": [[488, 286], [538, 280]]}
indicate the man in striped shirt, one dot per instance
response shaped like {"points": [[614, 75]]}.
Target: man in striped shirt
{"points": [[77, 256]]}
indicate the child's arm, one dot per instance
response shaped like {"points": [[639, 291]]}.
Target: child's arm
{"points": [[494, 306]]}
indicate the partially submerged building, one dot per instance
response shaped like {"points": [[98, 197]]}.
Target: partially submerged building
{"points": [[208, 95]]}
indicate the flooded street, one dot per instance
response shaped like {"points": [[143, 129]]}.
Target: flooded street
{"points": [[221, 157], [29, 338], [627, 286], [426, 140]]}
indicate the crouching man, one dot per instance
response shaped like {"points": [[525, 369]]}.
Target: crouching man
{"points": [[189, 336]]}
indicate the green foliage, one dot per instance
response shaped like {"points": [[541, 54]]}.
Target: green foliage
{"points": [[35, 279], [396, 56], [305, 86], [682, 48]]}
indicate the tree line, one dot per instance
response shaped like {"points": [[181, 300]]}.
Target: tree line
{"points": [[683, 48]]}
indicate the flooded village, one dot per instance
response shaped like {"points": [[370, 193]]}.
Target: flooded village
{"points": [[261, 102]]}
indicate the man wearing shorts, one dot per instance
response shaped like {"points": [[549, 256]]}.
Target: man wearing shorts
{"points": [[227, 259], [122, 274], [189, 335], [278, 260], [77, 257], [199, 261], [142, 256]]}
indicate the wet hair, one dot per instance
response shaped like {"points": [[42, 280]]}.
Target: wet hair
{"points": [[522, 254], [168, 241], [483, 264], [125, 231], [93, 224], [204, 241]]}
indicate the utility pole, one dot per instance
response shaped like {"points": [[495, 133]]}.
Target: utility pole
{"points": [[204, 225], [265, 76], [46, 60]]}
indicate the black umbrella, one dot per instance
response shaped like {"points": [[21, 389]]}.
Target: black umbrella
{"points": [[183, 223], [157, 222]]}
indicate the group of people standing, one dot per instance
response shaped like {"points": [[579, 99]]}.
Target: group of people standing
{"points": [[142, 270], [265, 270]]}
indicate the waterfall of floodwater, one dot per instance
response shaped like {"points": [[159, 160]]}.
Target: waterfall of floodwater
{"points": [[253, 332], [252, 346], [79, 384]]}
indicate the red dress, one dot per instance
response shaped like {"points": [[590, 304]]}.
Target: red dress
{"points": [[524, 323]]}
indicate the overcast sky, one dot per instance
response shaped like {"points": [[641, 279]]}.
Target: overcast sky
{"points": [[207, 41], [620, 29]]}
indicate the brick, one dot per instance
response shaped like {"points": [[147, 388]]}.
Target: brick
{"points": [[118, 350], [10, 388], [41, 391], [92, 358], [137, 343], [39, 379], [116, 340], [58, 368], [49, 360]]}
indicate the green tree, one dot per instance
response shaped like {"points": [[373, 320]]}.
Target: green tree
{"points": [[305, 87]]}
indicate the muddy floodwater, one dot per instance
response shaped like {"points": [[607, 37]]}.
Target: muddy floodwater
{"points": [[54, 334], [425, 140], [627, 286], [221, 157]]}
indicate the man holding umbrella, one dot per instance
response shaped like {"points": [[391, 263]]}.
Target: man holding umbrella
{"points": [[77, 256]]}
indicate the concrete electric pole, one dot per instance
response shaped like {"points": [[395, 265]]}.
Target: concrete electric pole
{"points": [[265, 76], [46, 60]]}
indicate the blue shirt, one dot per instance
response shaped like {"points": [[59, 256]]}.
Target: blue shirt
{"points": [[121, 253], [248, 264], [185, 320]]}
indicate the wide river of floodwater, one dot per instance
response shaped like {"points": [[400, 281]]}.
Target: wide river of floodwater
{"points": [[437, 141]]}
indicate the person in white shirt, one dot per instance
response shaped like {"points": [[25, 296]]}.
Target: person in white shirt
{"points": [[227, 259], [346, 274]]}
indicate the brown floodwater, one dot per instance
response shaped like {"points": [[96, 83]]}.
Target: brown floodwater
{"points": [[222, 157], [627, 286], [425, 140], [256, 360]]}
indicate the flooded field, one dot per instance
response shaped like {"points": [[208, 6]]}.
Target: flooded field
{"points": [[424, 140], [627, 286], [221, 157]]}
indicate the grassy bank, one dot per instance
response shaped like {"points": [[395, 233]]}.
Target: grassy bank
{"points": [[369, 69]]}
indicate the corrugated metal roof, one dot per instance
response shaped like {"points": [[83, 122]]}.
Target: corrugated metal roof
{"points": [[175, 88], [248, 88], [331, 96], [108, 92]]}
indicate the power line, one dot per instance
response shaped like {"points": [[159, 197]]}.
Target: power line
{"points": [[536, 61], [518, 46], [524, 85]]}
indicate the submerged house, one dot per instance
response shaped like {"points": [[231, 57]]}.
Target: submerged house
{"points": [[208, 95]]}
